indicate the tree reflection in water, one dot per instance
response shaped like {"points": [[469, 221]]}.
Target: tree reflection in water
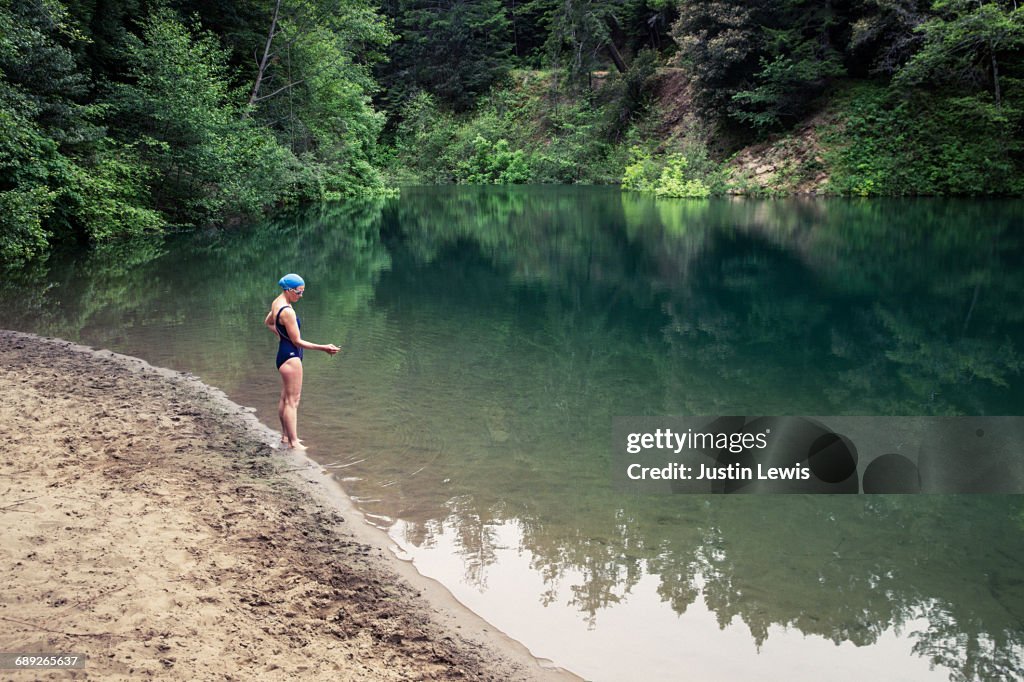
{"points": [[765, 307]]}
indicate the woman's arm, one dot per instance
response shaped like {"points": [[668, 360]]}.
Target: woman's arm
{"points": [[292, 327], [269, 322]]}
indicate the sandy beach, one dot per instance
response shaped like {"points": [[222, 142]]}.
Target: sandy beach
{"points": [[148, 523]]}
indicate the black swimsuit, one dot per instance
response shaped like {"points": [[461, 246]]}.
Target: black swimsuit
{"points": [[286, 350]]}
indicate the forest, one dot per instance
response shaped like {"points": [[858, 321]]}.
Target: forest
{"points": [[122, 118]]}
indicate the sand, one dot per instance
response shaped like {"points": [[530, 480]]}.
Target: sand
{"points": [[148, 523]]}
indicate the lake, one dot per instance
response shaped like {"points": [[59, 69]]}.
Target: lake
{"points": [[489, 337]]}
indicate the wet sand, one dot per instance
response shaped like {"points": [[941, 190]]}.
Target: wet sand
{"points": [[148, 523]]}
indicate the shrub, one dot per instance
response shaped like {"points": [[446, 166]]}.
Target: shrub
{"points": [[495, 164], [641, 173], [672, 175], [925, 143], [207, 156], [677, 180], [107, 199]]}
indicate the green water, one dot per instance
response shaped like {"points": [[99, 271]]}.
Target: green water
{"points": [[490, 335]]}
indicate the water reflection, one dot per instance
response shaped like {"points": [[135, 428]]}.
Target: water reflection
{"points": [[490, 335], [754, 587]]}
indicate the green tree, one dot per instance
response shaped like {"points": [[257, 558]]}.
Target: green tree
{"points": [[25, 196], [528, 25], [719, 47], [598, 33], [759, 63], [59, 176], [454, 49], [206, 158], [882, 36], [340, 32], [964, 44], [336, 127], [580, 37], [312, 87]]}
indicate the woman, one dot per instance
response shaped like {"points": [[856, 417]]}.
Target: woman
{"points": [[283, 321]]}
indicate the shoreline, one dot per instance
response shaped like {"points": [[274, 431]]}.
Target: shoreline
{"points": [[149, 523]]}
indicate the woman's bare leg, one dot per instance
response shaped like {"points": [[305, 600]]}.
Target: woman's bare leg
{"points": [[291, 377], [280, 414]]}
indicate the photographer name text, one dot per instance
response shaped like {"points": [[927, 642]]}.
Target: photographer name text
{"points": [[678, 441]]}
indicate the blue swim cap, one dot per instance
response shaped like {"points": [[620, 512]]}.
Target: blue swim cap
{"points": [[291, 281]]}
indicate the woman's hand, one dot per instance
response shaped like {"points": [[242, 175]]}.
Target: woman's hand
{"points": [[330, 349], [268, 321]]}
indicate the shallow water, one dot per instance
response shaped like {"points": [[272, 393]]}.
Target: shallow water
{"points": [[490, 335]]}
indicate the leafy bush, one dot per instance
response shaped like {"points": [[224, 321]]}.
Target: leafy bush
{"points": [[677, 181], [672, 175], [494, 163], [552, 135], [21, 223], [107, 199], [924, 144], [25, 197], [206, 156], [423, 137], [642, 172]]}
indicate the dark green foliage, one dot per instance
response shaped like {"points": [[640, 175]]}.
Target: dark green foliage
{"points": [[534, 132], [206, 157], [119, 117], [964, 44], [453, 49], [627, 98], [529, 25], [423, 137], [930, 144], [882, 36], [587, 35], [760, 63], [106, 195], [43, 70], [25, 197], [645, 25], [315, 94], [59, 176], [580, 33], [718, 46], [784, 87], [105, 24], [950, 123], [240, 25]]}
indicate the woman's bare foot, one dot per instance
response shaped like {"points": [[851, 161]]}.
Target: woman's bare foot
{"points": [[296, 445]]}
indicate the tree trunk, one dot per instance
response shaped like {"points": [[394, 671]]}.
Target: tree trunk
{"points": [[995, 77], [265, 61], [616, 57], [995, 65]]}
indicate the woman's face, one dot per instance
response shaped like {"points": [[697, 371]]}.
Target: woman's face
{"points": [[296, 293]]}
